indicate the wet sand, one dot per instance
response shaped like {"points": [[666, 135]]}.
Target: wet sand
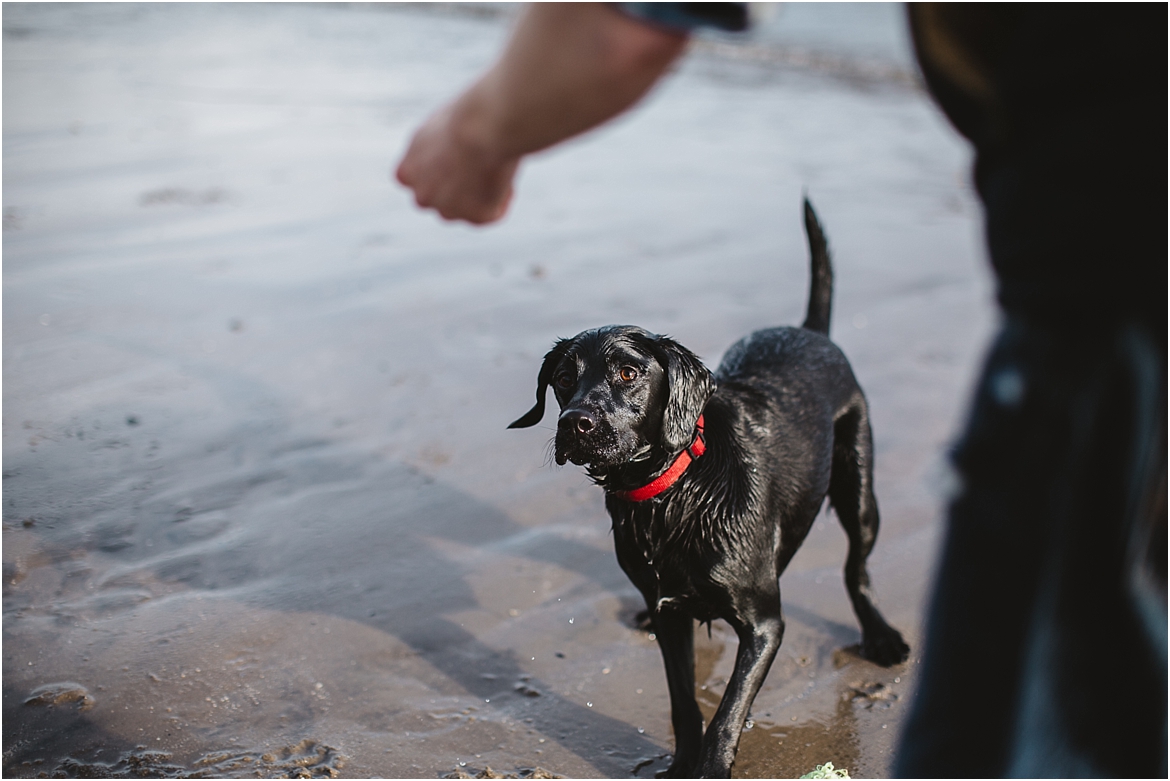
{"points": [[261, 512]]}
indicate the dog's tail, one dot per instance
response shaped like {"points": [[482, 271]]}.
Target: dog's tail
{"points": [[820, 296]]}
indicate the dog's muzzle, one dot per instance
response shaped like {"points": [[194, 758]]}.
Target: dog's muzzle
{"points": [[580, 437]]}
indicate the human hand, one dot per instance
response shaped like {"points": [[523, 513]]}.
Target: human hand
{"points": [[568, 68], [455, 173]]}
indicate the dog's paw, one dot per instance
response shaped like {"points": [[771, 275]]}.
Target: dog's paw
{"points": [[886, 648]]}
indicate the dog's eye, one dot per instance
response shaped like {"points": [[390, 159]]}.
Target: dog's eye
{"points": [[564, 381], [628, 373]]}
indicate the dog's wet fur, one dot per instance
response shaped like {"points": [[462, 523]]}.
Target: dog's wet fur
{"points": [[786, 425]]}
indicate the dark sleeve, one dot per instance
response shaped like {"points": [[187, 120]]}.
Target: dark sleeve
{"points": [[685, 17]]}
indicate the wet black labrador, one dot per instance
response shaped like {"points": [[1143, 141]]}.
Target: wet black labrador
{"points": [[713, 482]]}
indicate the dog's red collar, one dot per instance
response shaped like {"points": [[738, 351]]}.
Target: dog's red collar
{"points": [[672, 474]]}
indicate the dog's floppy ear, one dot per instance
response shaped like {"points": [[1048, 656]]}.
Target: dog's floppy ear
{"points": [[690, 385], [543, 380]]}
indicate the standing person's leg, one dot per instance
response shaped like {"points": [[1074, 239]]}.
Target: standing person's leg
{"points": [[1035, 626]]}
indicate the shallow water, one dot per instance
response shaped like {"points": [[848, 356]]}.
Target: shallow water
{"points": [[261, 514]]}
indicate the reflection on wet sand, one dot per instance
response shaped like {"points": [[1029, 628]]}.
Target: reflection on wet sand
{"points": [[782, 751]]}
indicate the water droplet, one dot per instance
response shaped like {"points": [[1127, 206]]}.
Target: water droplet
{"points": [[589, 704]]}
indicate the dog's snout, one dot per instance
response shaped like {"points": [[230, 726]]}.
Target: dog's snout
{"points": [[578, 422]]}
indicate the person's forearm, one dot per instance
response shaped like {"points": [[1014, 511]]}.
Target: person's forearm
{"points": [[568, 68]]}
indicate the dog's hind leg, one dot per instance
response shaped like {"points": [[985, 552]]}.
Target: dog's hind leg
{"points": [[851, 494], [676, 639]]}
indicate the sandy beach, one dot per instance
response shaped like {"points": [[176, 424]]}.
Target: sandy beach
{"points": [[261, 511]]}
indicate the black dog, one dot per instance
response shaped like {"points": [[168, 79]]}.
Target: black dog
{"points": [[713, 483]]}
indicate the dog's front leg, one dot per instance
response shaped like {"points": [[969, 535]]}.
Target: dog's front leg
{"points": [[676, 639], [759, 640]]}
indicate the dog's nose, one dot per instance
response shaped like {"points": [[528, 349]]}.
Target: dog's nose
{"points": [[577, 421]]}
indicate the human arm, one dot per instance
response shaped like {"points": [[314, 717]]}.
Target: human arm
{"points": [[568, 68]]}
